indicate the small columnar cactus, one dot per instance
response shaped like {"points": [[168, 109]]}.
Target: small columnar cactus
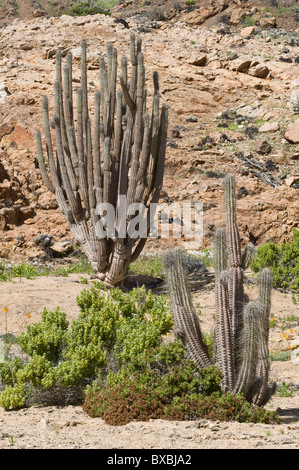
{"points": [[242, 327]]}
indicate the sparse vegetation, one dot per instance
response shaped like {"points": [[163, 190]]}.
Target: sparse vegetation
{"points": [[283, 260], [249, 21], [285, 390], [91, 8], [10, 271]]}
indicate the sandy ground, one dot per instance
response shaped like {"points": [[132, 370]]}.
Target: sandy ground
{"points": [[71, 428]]}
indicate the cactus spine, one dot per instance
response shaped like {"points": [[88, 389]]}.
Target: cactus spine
{"points": [[242, 326], [119, 151]]}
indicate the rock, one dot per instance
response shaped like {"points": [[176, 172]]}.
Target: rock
{"points": [[3, 92], [239, 136], [288, 60], [263, 147], [197, 17], [278, 158], [198, 60], [292, 132], [191, 119], [268, 22], [25, 46], [45, 424], [242, 65], [63, 247], [6, 129], [233, 56], [259, 71], [246, 32], [269, 127], [237, 16], [290, 180], [38, 13]]}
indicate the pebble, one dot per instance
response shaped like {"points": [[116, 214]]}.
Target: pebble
{"points": [[191, 119]]}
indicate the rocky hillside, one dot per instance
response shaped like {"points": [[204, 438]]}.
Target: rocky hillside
{"points": [[27, 9], [210, 12], [227, 74]]}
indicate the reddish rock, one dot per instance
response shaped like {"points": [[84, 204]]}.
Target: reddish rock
{"points": [[243, 65], [291, 180], [38, 13], [259, 71], [198, 60], [263, 147], [292, 132], [246, 32], [269, 127], [268, 22], [6, 129]]}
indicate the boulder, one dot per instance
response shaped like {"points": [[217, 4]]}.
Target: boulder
{"points": [[246, 32], [292, 132], [290, 180], [38, 13], [263, 147], [237, 16], [268, 22], [242, 65], [198, 60], [269, 127], [259, 71]]}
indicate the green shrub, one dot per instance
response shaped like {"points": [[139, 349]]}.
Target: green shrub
{"points": [[13, 397], [46, 338], [110, 324], [283, 261], [85, 8], [249, 21], [147, 266]]}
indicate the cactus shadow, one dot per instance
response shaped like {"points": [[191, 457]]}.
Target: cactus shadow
{"points": [[289, 415]]}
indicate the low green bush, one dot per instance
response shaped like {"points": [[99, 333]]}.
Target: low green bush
{"points": [[92, 8], [110, 324], [283, 260]]}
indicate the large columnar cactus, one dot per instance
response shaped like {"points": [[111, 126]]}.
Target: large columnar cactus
{"points": [[242, 326], [101, 160]]}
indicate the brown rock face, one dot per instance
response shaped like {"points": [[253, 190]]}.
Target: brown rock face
{"points": [[263, 147], [292, 132], [259, 71], [269, 127], [268, 22], [202, 73], [245, 32]]}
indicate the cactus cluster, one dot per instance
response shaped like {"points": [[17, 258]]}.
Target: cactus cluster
{"points": [[242, 327], [98, 158]]}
